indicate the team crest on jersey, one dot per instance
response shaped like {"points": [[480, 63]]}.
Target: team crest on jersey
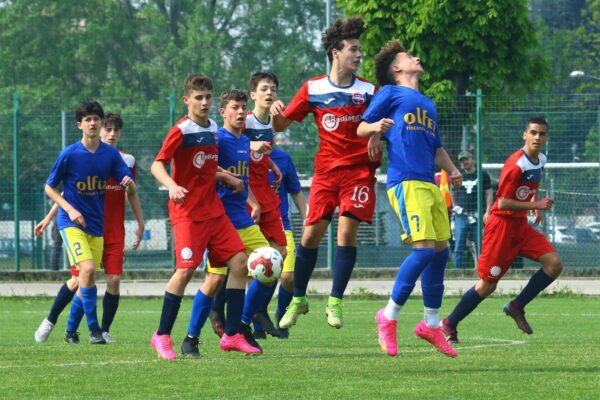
{"points": [[256, 156], [186, 253], [359, 98], [495, 271], [523, 192], [201, 157]]}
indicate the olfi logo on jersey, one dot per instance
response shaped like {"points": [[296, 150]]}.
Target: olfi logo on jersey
{"points": [[240, 169], [201, 157], [523, 192], [359, 98], [330, 122], [92, 183], [256, 156], [420, 121]]}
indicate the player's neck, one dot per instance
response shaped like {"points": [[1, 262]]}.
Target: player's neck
{"points": [[199, 120], [533, 155], [410, 81], [237, 132], [262, 114], [341, 76], [91, 142]]}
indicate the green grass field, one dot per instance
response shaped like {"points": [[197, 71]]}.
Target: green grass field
{"points": [[560, 360]]}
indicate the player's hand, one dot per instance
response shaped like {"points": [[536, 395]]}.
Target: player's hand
{"points": [[235, 184], [39, 228], [456, 178], [486, 216], [543, 204], [277, 173], [138, 236], [374, 147], [177, 194], [261, 147], [539, 217], [127, 181], [277, 108], [255, 214], [383, 125], [76, 217]]}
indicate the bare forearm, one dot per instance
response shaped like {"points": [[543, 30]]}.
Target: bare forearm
{"points": [[300, 203], [136, 208], [57, 198], [159, 171], [443, 160]]}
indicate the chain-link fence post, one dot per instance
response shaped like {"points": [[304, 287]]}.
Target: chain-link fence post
{"points": [[479, 155], [16, 201]]}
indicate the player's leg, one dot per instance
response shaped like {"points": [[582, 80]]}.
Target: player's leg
{"points": [[63, 298], [75, 316], [286, 286], [112, 261]]}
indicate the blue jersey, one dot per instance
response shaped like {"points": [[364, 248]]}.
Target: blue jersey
{"points": [[84, 175], [289, 183], [414, 138], [234, 156]]}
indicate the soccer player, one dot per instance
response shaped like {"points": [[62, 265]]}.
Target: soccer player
{"points": [[114, 245], [344, 175], [507, 233], [84, 169], [407, 120], [199, 222]]}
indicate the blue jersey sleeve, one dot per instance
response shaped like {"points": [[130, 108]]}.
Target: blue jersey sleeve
{"points": [[119, 169], [379, 107], [59, 169], [291, 182]]}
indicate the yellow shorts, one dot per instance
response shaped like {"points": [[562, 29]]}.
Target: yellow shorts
{"points": [[81, 246], [252, 238], [421, 209], [290, 259]]}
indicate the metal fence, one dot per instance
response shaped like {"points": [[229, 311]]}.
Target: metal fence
{"points": [[488, 126]]}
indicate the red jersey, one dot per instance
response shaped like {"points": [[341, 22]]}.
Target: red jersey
{"points": [[194, 152], [114, 206], [257, 130], [519, 180], [337, 111]]}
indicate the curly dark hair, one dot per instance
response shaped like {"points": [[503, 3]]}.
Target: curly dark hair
{"points": [[232, 95], [340, 30], [384, 59], [113, 119]]}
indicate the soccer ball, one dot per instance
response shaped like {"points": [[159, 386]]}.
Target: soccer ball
{"points": [[264, 264]]}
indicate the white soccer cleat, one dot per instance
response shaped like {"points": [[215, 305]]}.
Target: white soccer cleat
{"points": [[108, 337], [43, 331]]}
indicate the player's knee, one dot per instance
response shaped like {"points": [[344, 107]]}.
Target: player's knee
{"points": [[287, 281], [73, 283], [184, 275], [212, 284], [553, 266], [485, 288], [112, 283], [237, 265]]}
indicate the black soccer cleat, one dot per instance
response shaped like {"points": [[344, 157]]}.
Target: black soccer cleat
{"points": [[283, 333], [72, 337], [97, 338], [189, 346], [265, 321], [450, 332], [260, 334], [246, 330], [516, 312]]}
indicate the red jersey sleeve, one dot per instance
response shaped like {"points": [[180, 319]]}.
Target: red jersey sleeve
{"points": [[299, 107], [170, 145]]}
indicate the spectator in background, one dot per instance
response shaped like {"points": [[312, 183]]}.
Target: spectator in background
{"points": [[465, 206]]}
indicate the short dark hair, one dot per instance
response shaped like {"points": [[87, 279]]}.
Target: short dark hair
{"points": [[257, 77], [384, 59], [86, 108], [114, 119], [232, 95], [340, 30], [536, 120], [196, 82]]}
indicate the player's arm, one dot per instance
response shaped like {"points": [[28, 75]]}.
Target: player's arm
{"points": [[251, 200], [276, 170], [300, 202], [56, 197], [505, 203], [230, 180], [380, 127], [176, 193], [260, 146], [136, 208], [443, 160], [43, 224], [280, 123]]}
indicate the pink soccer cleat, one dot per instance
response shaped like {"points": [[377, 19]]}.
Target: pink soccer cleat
{"points": [[163, 345], [239, 343], [435, 336], [388, 337]]}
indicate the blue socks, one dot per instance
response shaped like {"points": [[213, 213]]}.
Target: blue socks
{"points": [[235, 304], [538, 282], [200, 309], [306, 260], [465, 306], [110, 303], [75, 315], [258, 294], [432, 280], [89, 296], [345, 258], [409, 272], [62, 299], [171, 304], [283, 300]]}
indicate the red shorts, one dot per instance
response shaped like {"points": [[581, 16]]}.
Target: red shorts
{"points": [[503, 240], [271, 226], [193, 237], [113, 255], [352, 188]]}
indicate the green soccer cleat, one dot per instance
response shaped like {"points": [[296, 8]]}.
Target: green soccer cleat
{"points": [[333, 310], [299, 305]]}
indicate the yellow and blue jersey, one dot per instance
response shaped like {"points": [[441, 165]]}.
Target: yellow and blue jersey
{"points": [[414, 138], [84, 175], [234, 156]]}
